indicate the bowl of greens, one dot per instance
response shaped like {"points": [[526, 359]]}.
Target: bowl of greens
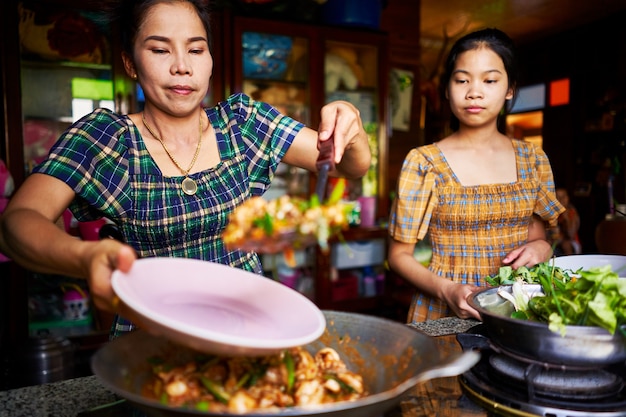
{"points": [[557, 317]]}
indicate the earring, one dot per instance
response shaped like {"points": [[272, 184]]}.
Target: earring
{"points": [[134, 76]]}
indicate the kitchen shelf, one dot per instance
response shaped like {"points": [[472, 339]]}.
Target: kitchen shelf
{"points": [[30, 63], [365, 52]]}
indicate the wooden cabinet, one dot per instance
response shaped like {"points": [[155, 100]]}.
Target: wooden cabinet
{"points": [[298, 68], [352, 275], [58, 62]]}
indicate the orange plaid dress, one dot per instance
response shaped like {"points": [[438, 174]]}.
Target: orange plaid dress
{"points": [[470, 228]]}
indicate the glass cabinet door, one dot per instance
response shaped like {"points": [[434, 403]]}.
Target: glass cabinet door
{"points": [[352, 74], [275, 70], [66, 72], [273, 65]]}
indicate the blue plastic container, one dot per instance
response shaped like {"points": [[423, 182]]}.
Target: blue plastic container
{"points": [[357, 13], [265, 55]]}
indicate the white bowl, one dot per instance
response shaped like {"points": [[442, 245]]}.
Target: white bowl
{"points": [[575, 262]]}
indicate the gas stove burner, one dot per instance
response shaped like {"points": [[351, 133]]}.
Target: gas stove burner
{"points": [[511, 405], [509, 386], [558, 383]]}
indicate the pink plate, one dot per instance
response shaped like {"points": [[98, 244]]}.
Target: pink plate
{"points": [[215, 308]]}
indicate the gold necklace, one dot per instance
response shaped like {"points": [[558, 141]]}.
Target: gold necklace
{"points": [[189, 185]]}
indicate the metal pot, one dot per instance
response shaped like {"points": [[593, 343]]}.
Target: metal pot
{"points": [[391, 356], [581, 346], [43, 359]]}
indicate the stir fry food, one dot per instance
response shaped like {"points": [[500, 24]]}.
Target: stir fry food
{"points": [[594, 297], [286, 223], [244, 384]]}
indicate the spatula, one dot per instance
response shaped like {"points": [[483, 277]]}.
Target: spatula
{"points": [[325, 163]]}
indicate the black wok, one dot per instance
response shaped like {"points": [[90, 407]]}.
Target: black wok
{"points": [[581, 346], [391, 356]]}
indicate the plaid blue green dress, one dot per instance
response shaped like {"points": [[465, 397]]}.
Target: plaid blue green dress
{"points": [[472, 228], [103, 158]]}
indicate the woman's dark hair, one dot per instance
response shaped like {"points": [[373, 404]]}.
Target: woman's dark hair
{"points": [[491, 38], [129, 15]]}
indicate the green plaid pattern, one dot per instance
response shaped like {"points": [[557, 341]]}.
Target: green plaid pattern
{"points": [[102, 157]]}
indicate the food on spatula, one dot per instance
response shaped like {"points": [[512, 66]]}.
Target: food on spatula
{"points": [[243, 384], [286, 223]]}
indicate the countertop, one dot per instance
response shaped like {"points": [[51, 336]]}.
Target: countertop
{"points": [[441, 397]]}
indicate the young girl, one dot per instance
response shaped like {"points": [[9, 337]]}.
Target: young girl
{"points": [[476, 192], [170, 175]]}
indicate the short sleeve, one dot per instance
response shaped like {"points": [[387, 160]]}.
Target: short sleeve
{"points": [[91, 157], [263, 134], [547, 205], [416, 199]]}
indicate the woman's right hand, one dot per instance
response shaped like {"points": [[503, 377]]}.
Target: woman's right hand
{"points": [[30, 237], [104, 257]]}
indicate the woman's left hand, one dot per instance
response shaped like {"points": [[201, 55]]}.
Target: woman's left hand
{"points": [[341, 122]]}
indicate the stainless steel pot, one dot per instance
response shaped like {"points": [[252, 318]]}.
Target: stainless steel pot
{"points": [[391, 356], [581, 346], [44, 359]]}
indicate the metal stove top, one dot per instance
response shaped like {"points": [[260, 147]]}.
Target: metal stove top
{"points": [[508, 387]]}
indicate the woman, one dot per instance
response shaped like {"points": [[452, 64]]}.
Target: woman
{"points": [[168, 176], [476, 192]]}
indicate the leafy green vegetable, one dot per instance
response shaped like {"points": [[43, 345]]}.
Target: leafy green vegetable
{"points": [[508, 276], [216, 390], [266, 223], [597, 297], [203, 406], [342, 385], [291, 370]]}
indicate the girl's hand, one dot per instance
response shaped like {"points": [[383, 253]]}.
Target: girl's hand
{"points": [[529, 254], [456, 295], [537, 249]]}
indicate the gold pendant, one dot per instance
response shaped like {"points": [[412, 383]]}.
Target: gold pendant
{"points": [[189, 186]]}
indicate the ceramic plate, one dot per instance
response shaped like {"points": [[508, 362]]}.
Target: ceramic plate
{"points": [[215, 308], [576, 262]]}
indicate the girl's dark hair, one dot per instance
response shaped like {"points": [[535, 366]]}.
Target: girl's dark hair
{"points": [[494, 39], [128, 15]]}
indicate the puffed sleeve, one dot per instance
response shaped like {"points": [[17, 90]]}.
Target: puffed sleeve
{"points": [[416, 199], [91, 157], [547, 206]]}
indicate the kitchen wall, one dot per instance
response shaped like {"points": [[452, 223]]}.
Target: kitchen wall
{"points": [[400, 19], [585, 140]]}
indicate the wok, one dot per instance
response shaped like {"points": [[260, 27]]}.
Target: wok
{"points": [[581, 346], [391, 357]]}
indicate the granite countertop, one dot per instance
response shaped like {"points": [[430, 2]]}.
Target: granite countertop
{"points": [[70, 397]]}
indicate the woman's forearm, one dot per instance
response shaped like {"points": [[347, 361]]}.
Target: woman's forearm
{"points": [[34, 242]]}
